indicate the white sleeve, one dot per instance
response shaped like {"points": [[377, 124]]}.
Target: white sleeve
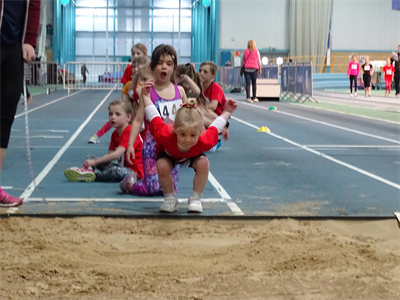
{"points": [[219, 123], [151, 112]]}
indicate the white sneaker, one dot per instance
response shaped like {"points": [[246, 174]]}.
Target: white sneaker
{"points": [[94, 139], [351, 95], [386, 95], [195, 206], [169, 205], [355, 94]]}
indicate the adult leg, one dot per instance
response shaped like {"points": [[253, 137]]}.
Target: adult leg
{"points": [[11, 77], [247, 77], [397, 82], [254, 85]]}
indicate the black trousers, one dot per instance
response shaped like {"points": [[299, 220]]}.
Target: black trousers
{"points": [[353, 78], [396, 82], [251, 76], [11, 77]]}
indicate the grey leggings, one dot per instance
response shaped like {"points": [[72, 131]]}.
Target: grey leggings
{"points": [[110, 172]]}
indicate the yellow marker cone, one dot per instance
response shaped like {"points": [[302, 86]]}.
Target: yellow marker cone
{"points": [[264, 129]]}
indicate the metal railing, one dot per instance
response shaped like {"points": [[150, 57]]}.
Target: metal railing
{"points": [[42, 77], [93, 75]]}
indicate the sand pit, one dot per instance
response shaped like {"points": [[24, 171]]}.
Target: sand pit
{"points": [[95, 258]]}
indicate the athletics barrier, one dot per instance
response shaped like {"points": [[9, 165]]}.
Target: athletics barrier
{"points": [[297, 82]]}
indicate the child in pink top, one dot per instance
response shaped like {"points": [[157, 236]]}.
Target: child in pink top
{"points": [[388, 72], [352, 72]]}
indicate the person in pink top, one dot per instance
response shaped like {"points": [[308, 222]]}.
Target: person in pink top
{"points": [[352, 72], [388, 72], [252, 68]]}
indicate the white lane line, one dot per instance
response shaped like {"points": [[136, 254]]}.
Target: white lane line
{"points": [[7, 187], [47, 130], [40, 137], [47, 104], [221, 191], [348, 114], [353, 146], [328, 124], [29, 190], [181, 200], [373, 176], [52, 147]]}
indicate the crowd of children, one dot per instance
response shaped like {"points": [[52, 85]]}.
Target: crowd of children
{"points": [[158, 129], [367, 71]]}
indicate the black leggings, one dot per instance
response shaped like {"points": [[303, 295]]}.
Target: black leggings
{"points": [[353, 77], [11, 77], [251, 76]]}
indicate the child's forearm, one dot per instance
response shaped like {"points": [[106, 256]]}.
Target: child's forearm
{"points": [[151, 112], [107, 158], [194, 89], [136, 125]]}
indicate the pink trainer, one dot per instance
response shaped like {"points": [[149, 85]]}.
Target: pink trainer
{"points": [[6, 200]]}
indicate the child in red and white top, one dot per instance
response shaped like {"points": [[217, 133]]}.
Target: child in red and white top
{"points": [[128, 94], [103, 168], [212, 91], [388, 72], [352, 71], [184, 143]]}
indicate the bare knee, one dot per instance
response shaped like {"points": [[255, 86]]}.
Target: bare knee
{"points": [[164, 167], [201, 165]]}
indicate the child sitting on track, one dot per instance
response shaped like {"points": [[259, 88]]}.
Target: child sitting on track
{"points": [[137, 63], [212, 91], [183, 143], [103, 169]]}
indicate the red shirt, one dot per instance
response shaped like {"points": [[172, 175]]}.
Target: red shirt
{"points": [[167, 140], [388, 71], [215, 92], [127, 75], [122, 141]]}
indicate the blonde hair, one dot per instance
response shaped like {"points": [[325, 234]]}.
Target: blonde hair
{"points": [[126, 106], [141, 47], [213, 67], [189, 116], [251, 45], [139, 61]]}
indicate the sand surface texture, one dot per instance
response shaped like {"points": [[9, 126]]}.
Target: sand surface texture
{"points": [[96, 258]]}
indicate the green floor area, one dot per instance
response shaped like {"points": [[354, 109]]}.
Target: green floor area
{"points": [[37, 90], [357, 111], [380, 92]]}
